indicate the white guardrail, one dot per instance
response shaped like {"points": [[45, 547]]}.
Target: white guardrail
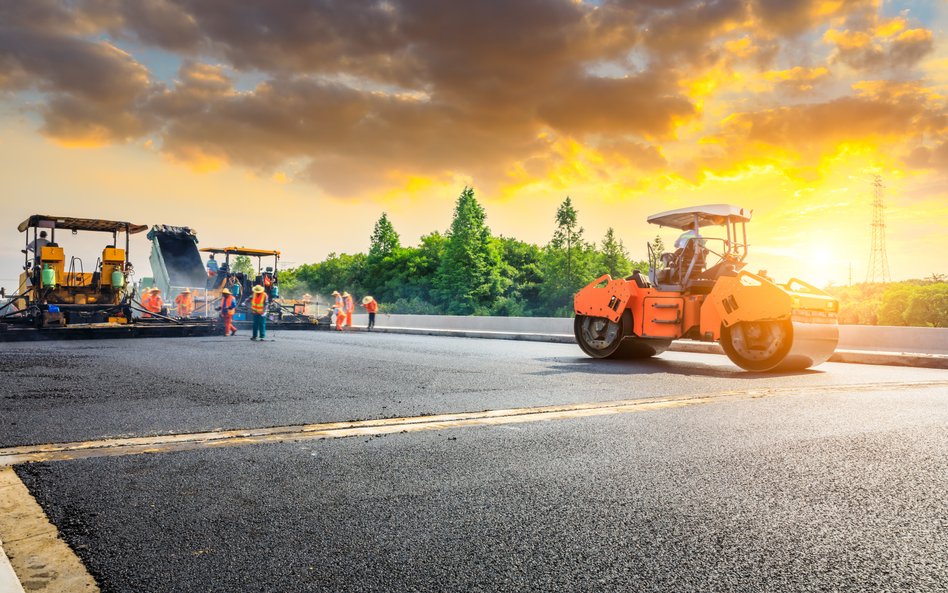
{"points": [[923, 340]]}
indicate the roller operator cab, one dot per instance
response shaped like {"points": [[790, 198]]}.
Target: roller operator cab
{"points": [[700, 291]]}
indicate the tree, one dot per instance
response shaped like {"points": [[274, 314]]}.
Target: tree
{"points": [[567, 234], [468, 278], [384, 238], [656, 251], [243, 265], [568, 263], [928, 306], [521, 267], [615, 257]]}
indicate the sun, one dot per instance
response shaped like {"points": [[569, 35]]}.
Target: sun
{"points": [[821, 264]]}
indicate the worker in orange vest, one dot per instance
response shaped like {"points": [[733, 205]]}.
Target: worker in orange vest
{"points": [[152, 302], [340, 310], [350, 307], [227, 307], [185, 303], [371, 307], [146, 302], [258, 307]]}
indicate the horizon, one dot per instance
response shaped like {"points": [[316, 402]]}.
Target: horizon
{"points": [[295, 127]]}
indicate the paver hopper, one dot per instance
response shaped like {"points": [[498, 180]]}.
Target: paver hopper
{"points": [[760, 324]]}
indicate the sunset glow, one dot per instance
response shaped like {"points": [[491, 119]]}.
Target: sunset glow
{"points": [[294, 127]]}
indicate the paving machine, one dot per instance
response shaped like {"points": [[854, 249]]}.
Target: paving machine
{"points": [[267, 276], [761, 325], [280, 309], [176, 265], [54, 291]]}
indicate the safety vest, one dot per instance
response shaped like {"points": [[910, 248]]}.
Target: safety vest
{"points": [[185, 304], [227, 305], [349, 306], [257, 303], [154, 304]]}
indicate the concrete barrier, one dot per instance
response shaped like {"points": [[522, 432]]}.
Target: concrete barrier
{"points": [[926, 340], [906, 346]]}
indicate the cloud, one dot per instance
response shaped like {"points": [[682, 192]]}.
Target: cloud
{"points": [[880, 44], [93, 87], [882, 116], [798, 80], [356, 93]]}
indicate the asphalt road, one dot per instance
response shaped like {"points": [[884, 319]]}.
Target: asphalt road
{"points": [[836, 483]]}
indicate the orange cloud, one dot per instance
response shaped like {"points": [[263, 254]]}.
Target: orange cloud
{"points": [[799, 79]]}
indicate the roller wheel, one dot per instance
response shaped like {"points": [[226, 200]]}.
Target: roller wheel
{"points": [[757, 345], [597, 336], [633, 347]]}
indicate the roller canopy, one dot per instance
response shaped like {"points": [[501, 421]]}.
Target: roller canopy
{"points": [[708, 215], [80, 224], [241, 251]]}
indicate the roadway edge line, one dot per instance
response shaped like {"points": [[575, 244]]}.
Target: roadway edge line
{"points": [[37, 556]]}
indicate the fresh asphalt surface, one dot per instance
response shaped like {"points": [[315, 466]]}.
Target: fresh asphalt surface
{"points": [[835, 490]]}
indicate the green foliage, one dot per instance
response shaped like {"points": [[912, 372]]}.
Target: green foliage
{"points": [[290, 285], [469, 278], [468, 271], [615, 257], [568, 234], [928, 306], [336, 272], [657, 249], [913, 302], [243, 265], [384, 239]]}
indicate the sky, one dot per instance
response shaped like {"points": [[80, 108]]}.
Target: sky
{"points": [[292, 125]]}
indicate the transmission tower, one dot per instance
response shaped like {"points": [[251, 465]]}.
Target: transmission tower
{"points": [[878, 260]]}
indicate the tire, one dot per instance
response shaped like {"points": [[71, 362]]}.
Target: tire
{"points": [[758, 346], [597, 336]]}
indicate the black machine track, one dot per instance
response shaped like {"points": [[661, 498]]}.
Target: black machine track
{"points": [[14, 333]]}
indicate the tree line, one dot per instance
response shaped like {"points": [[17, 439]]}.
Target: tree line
{"points": [[920, 303], [469, 271]]}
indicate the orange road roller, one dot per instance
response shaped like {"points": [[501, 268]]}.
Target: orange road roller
{"points": [[700, 291]]}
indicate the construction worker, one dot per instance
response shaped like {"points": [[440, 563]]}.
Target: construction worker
{"points": [[371, 307], [227, 307], [235, 286], [152, 302], [146, 302], [267, 279], [36, 245], [258, 307], [340, 310], [350, 307], [185, 303], [212, 266]]}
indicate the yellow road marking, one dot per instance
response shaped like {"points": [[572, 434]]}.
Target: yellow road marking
{"points": [[43, 561], [40, 558], [231, 438]]}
